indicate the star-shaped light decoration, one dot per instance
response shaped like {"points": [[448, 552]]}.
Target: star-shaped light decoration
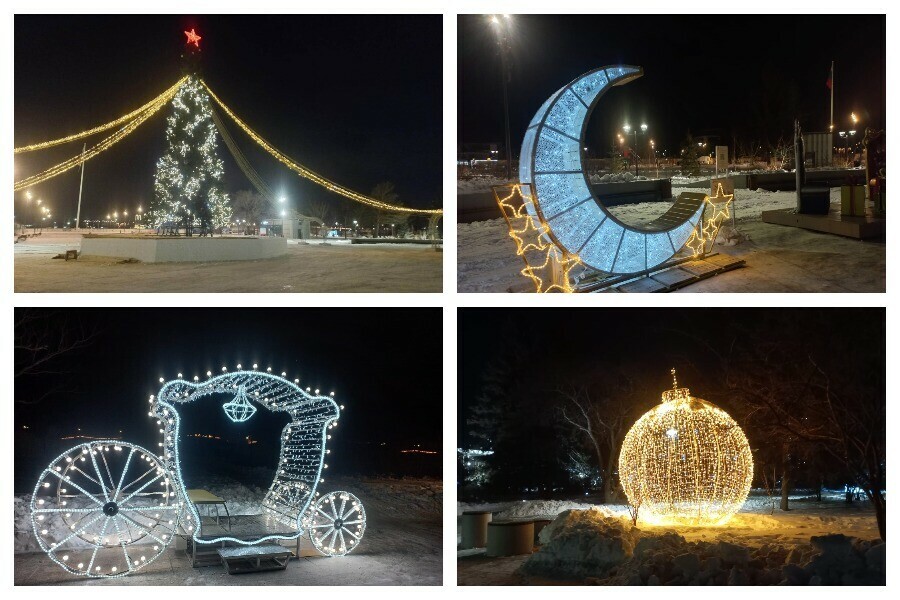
{"points": [[239, 409], [192, 38], [546, 265], [718, 205]]}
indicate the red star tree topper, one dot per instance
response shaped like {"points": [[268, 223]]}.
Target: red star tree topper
{"points": [[193, 38]]}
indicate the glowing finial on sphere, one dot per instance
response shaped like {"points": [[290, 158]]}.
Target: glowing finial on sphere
{"points": [[685, 462]]}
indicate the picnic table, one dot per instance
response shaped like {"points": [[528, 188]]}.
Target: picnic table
{"points": [[209, 500]]}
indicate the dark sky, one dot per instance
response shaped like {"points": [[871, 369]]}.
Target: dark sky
{"points": [[654, 339], [743, 76], [384, 365], [356, 98]]}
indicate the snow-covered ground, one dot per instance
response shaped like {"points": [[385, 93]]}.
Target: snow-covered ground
{"points": [[818, 542], [401, 546], [330, 266], [779, 259], [485, 182]]}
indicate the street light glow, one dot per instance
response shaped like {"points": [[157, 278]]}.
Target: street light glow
{"points": [[643, 127]]}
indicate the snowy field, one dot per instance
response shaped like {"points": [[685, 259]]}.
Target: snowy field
{"points": [[779, 259], [309, 266], [401, 546], [815, 542]]}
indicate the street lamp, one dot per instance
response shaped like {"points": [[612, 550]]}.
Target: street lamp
{"points": [[502, 25], [627, 129]]}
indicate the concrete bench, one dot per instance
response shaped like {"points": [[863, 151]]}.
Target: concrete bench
{"points": [[474, 528], [510, 538], [253, 559]]}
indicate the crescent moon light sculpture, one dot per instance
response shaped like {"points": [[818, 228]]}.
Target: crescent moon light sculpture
{"points": [[552, 165]]}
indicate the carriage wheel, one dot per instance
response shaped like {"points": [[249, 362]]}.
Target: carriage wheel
{"points": [[336, 523], [105, 509]]}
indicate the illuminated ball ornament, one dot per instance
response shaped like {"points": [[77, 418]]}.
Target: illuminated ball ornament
{"points": [[686, 462]]}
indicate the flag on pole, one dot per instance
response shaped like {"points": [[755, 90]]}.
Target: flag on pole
{"points": [[830, 80]]}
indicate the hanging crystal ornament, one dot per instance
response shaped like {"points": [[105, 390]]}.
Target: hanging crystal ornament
{"points": [[239, 409]]}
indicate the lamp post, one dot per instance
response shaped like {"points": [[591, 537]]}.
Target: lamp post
{"points": [[653, 150], [627, 129], [502, 28]]}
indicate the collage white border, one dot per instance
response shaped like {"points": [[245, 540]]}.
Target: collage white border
{"points": [[449, 300]]}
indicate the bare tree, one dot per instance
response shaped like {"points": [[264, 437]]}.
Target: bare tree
{"points": [[600, 411], [249, 205], [783, 153], [385, 192], [41, 339], [801, 386]]}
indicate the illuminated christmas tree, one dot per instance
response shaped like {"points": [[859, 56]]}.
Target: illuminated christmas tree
{"points": [[188, 188]]}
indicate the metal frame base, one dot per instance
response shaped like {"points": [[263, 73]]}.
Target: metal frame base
{"points": [[669, 276]]}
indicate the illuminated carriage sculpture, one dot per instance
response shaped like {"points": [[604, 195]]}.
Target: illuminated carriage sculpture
{"points": [[120, 505]]}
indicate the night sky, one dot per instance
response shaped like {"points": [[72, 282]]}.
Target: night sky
{"points": [[356, 98], [596, 340], [383, 364], [732, 76]]}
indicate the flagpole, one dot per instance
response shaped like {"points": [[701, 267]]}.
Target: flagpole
{"points": [[80, 186], [832, 97]]}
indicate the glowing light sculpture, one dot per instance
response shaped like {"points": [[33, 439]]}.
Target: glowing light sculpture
{"points": [[685, 462], [552, 165], [239, 409], [97, 504]]}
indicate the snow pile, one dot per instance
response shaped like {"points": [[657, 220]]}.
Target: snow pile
{"points": [[582, 543], [591, 545], [622, 177], [480, 184], [548, 509], [730, 236]]}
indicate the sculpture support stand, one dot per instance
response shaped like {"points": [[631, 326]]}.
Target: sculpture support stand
{"points": [[550, 267]]}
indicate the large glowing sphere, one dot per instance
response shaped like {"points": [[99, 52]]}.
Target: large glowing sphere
{"points": [[686, 462]]}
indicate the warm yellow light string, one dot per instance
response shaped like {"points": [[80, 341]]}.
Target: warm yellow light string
{"points": [[94, 150], [169, 93], [531, 231], [314, 177]]}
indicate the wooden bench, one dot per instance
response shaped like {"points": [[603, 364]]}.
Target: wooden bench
{"points": [[474, 529], [510, 538], [254, 559], [684, 207]]}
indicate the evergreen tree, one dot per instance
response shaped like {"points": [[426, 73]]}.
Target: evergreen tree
{"points": [[188, 188], [617, 159], [690, 163]]}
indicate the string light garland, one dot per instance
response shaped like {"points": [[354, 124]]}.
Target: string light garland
{"points": [[312, 176], [93, 151], [685, 462], [164, 97], [120, 505]]}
